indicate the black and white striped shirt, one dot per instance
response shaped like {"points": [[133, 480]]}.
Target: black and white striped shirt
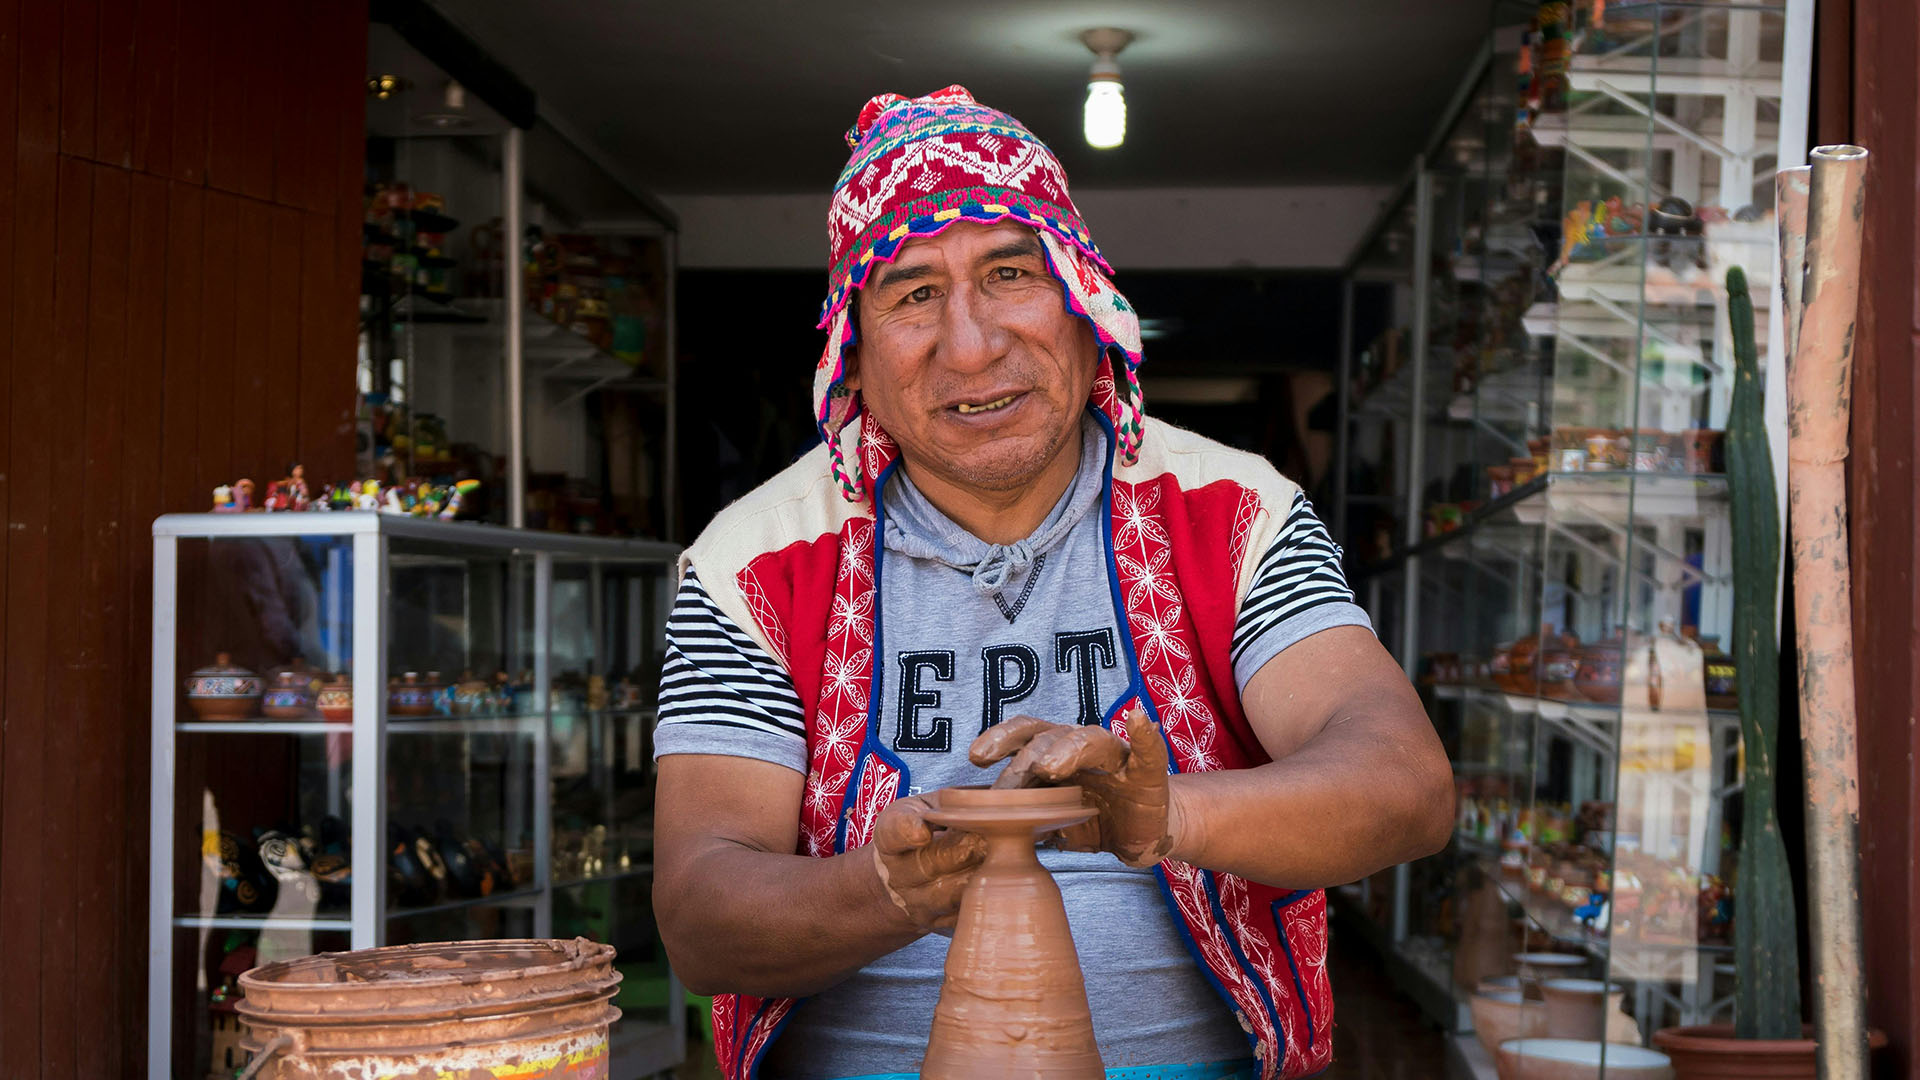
{"points": [[721, 693]]}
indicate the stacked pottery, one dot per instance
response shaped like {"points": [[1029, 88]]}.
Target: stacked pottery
{"points": [[291, 697], [1538, 967], [1579, 1059], [222, 691], [335, 700], [1501, 1015], [408, 696]]}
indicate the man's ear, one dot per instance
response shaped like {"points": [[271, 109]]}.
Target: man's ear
{"points": [[850, 367]]}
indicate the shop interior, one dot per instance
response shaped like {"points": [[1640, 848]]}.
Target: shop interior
{"points": [[1459, 269]]}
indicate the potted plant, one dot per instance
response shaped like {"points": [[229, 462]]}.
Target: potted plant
{"points": [[1767, 1037]]}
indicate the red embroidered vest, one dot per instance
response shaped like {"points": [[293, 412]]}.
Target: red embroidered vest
{"points": [[1184, 527]]}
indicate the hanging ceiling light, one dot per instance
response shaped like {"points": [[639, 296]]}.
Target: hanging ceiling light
{"points": [[1105, 120]]}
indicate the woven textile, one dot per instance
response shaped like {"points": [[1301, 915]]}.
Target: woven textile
{"points": [[918, 166]]}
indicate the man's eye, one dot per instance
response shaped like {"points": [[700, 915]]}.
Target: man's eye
{"points": [[1008, 273], [920, 295]]}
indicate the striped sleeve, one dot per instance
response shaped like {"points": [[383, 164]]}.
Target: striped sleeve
{"points": [[720, 692], [1297, 591]]}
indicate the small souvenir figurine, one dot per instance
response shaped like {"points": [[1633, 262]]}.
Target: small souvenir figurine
{"points": [[339, 497], [369, 496], [277, 497], [223, 500], [295, 486], [243, 494], [461, 490]]}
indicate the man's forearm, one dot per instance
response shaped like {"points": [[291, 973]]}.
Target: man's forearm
{"points": [[1352, 800], [736, 920]]}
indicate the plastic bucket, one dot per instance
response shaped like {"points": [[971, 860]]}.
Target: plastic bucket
{"points": [[460, 1010]]}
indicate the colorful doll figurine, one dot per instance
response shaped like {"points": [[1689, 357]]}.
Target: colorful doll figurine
{"points": [[369, 496], [394, 501], [277, 497], [461, 489], [243, 494], [223, 499], [295, 487]]}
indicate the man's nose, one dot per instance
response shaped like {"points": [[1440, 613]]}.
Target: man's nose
{"points": [[971, 338]]}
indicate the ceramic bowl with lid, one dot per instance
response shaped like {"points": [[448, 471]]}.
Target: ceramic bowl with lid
{"points": [[224, 691], [291, 695]]}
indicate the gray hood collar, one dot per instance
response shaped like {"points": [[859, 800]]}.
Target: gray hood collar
{"points": [[917, 529]]}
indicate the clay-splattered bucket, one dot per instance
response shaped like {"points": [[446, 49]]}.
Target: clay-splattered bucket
{"points": [[460, 1010]]}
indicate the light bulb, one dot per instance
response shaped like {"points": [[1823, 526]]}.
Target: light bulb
{"points": [[1106, 114]]}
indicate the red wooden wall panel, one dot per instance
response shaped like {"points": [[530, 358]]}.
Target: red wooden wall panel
{"points": [[1868, 92], [179, 200]]}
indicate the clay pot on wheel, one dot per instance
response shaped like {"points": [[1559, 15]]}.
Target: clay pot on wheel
{"points": [[1710, 1052], [1013, 1002], [223, 691], [1578, 1059]]}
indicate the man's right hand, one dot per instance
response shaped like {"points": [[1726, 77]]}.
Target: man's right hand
{"points": [[923, 868]]}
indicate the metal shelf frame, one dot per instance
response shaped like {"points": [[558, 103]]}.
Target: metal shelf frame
{"points": [[369, 535]]}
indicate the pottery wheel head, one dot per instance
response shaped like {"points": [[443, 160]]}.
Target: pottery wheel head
{"points": [[980, 808]]}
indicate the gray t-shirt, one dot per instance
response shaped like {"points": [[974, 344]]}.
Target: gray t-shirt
{"points": [[971, 634]]}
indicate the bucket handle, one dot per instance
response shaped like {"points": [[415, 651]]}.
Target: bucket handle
{"points": [[278, 1043]]}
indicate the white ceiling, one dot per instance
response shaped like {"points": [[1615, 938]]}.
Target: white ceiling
{"points": [[753, 95]]}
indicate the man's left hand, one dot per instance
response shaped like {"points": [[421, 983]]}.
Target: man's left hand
{"points": [[1125, 781]]}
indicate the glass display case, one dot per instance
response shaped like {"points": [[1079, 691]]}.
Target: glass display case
{"points": [[585, 433], [1559, 576], [374, 729]]}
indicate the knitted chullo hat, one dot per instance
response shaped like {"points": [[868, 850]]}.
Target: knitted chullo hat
{"points": [[919, 165]]}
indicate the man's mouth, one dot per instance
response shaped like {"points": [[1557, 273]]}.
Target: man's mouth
{"points": [[966, 409]]}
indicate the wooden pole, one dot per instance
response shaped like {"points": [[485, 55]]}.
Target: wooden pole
{"points": [[1819, 403]]}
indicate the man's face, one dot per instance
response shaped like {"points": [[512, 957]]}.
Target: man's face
{"points": [[969, 357]]}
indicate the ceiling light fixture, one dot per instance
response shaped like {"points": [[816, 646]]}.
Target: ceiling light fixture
{"points": [[1105, 119]]}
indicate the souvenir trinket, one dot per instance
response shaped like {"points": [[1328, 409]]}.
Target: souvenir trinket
{"points": [[291, 696], [408, 696], [471, 695], [335, 700], [223, 691]]}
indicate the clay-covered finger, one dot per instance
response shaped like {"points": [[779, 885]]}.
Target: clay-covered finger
{"points": [[1005, 738], [1057, 756], [949, 852], [1147, 746], [902, 826]]}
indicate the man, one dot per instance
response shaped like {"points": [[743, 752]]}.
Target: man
{"points": [[992, 529]]}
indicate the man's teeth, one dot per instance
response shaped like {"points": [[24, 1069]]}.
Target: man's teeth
{"points": [[988, 407]]}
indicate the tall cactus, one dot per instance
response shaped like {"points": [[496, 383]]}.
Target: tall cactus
{"points": [[1765, 929]]}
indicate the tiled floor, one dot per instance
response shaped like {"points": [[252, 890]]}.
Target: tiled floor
{"points": [[1378, 1034]]}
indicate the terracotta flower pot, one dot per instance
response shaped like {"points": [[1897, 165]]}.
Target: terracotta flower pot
{"points": [[1580, 1008], [1578, 1059], [1500, 1015], [1710, 1052]]}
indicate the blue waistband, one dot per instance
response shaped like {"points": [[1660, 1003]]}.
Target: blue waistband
{"points": [[1242, 1069]]}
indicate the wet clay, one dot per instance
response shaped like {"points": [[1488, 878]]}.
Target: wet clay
{"points": [[1013, 1003], [468, 1010]]}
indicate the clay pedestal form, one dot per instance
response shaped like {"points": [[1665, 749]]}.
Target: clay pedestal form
{"points": [[1500, 1015], [1013, 1003], [1582, 1008]]}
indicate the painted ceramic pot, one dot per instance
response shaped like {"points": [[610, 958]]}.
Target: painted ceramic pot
{"points": [[223, 691], [408, 696], [1558, 665], [471, 695], [1521, 676], [291, 696], [335, 700], [1598, 678]]}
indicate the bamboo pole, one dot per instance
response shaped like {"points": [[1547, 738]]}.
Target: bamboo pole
{"points": [[1819, 402]]}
